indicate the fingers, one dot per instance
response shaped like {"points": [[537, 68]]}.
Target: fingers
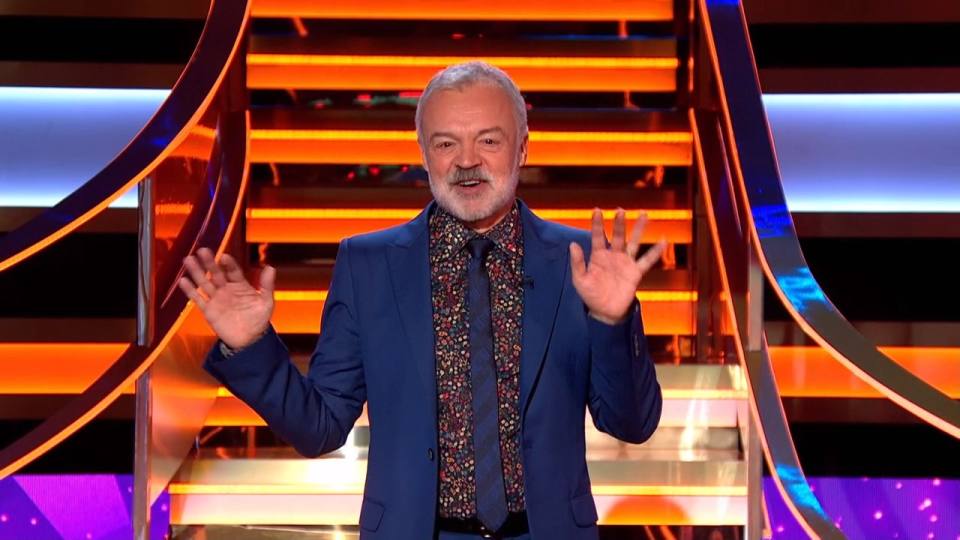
{"points": [[207, 275], [231, 268], [217, 276], [651, 257], [267, 280], [192, 293], [578, 265], [619, 231], [598, 237], [633, 247], [199, 276]]}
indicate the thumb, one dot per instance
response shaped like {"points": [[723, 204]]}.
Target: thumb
{"points": [[268, 279], [578, 265]]}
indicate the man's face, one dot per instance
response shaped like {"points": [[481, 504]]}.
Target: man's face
{"points": [[473, 153]]}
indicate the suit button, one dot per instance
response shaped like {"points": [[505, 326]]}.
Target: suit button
{"points": [[430, 453]]}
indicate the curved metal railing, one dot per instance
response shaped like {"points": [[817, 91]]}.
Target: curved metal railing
{"points": [[166, 130], [200, 106], [732, 249], [751, 225], [771, 225]]}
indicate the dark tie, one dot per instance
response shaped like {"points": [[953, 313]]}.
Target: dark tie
{"points": [[491, 495]]}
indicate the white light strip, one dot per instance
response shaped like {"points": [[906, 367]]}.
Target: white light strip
{"points": [[52, 140], [837, 152], [868, 152]]}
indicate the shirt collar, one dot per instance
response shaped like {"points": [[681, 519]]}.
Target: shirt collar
{"points": [[452, 235]]}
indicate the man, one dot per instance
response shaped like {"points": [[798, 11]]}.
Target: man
{"points": [[476, 341]]}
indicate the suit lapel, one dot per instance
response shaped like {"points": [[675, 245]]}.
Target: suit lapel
{"points": [[545, 267], [409, 264]]}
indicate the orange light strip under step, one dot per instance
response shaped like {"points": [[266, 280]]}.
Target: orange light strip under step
{"points": [[396, 147], [665, 312], [54, 368], [331, 225], [812, 372], [68, 368], [533, 74], [497, 10]]}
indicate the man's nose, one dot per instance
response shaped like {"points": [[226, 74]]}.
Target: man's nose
{"points": [[468, 157]]}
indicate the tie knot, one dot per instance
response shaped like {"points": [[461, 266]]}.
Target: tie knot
{"points": [[479, 247]]}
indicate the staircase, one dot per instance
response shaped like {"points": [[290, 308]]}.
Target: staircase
{"points": [[335, 154], [333, 86]]}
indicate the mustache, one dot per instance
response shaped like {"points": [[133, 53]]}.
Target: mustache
{"points": [[468, 175]]}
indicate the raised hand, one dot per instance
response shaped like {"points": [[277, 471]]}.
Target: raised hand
{"points": [[608, 286], [236, 311]]}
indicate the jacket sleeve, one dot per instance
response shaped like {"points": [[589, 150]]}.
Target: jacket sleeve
{"points": [[625, 397], [314, 413]]}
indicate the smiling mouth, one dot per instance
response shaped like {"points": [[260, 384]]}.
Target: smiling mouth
{"points": [[469, 183]]}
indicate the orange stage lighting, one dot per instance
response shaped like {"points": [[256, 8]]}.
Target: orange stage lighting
{"points": [[814, 372], [546, 148], [331, 225], [535, 74], [804, 372], [501, 10], [665, 312]]}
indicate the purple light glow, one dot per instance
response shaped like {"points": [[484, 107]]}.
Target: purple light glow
{"points": [[95, 507], [99, 507], [876, 509]]}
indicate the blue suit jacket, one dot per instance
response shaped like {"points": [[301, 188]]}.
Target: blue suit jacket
{"points": [[376, 345]]}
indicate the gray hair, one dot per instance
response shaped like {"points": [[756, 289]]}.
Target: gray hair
{"points": [[466, 74]]}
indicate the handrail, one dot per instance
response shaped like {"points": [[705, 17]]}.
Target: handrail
{"points": [[730, 243], [771, 226], [166, 129], [210, 224]]}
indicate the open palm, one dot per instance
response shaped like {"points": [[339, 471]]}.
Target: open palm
{"points": [[236, 311], [608, 286]]}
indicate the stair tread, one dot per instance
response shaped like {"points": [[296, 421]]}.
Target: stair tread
{"points": [[535, 49], [627, 467], [611, 10], [416, 198], [547, 120], [697, 408], [316, 277]]}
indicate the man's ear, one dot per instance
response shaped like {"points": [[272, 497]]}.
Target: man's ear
{"points": [[423, 156], [523, 150]]}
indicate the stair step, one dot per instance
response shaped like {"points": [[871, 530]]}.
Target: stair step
{"points": [[682, 408], [615, 508], [665, 312], [327, 215], [499, 10], [695, 396], [557, 137], [316, 277], [67, 367], [666, 298], [628, 489], [536, 65], [283, 471]]}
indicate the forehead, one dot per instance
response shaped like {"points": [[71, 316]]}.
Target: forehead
{"points": [[481, 106]]}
